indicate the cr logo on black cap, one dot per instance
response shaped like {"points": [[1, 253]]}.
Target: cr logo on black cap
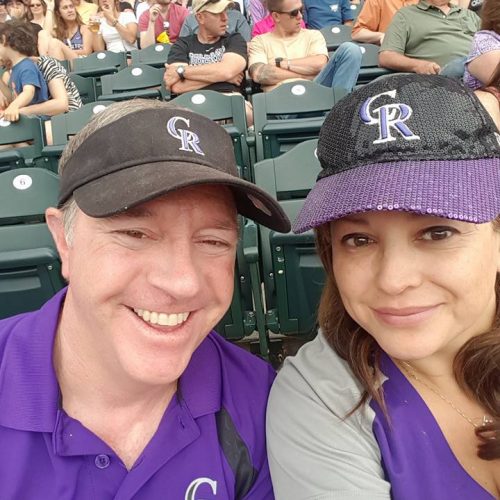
{"points": [[187, 137], [389, 116]]}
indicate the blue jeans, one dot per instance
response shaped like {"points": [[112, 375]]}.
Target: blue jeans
{"points": [[454, 69], [342, 69]]}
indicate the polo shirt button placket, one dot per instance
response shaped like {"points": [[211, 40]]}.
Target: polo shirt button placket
{"points": [[102, 461]]}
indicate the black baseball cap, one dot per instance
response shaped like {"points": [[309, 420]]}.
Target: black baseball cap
{"points": [[415, 143], [154, 151]]}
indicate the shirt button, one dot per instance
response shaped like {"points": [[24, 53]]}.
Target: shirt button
{"points": [[102, 461]]}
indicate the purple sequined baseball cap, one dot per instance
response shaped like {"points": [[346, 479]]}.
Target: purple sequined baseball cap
{"points": [[416, 143]]}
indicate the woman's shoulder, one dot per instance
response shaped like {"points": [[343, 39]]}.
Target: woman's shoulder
{"points": [[127, 17]]}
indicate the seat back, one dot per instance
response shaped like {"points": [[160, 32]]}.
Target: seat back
{"points": [[100, 63], [336, 34], [369, 64], [30, 270], [228, 111], [134, 81], [356, 8], [26, 130], [86, 87], [155, 55], [290, 114], [293, 274]]}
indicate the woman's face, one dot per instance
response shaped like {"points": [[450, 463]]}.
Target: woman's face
{"points": [[420, 285], [36, 7], [67, 10]]}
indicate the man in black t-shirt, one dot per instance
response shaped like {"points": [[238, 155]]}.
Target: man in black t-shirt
{"points": [[210, 59]]}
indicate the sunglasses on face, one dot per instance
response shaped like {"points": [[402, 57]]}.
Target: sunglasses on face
{"points": [[293, 13], [33, 5]]}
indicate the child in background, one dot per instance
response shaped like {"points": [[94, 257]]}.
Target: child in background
{"points": [[26, 84]]}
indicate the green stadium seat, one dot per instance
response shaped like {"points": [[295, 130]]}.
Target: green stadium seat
{"points": [[336, 34], [30, 270], [155, 55], [305, 104], [66, 125], [100, 63], [356, 8], [86, 87], [292, 272], [26, 130], [229, 111], [132, 82], [369, 64]]}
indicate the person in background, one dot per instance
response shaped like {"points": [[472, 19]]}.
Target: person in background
{"points": [[432, 37], [290, 53], [118, 30], [4, 16], [374, 19], [484, 56], [40, 14], [70, 29], [26, 85], [321, 13], [397, 396], [236, 23], [136, 395], [164, 16], [267, 24]]}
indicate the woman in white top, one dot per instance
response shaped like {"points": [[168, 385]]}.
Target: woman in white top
{"points": [[118, 32]]}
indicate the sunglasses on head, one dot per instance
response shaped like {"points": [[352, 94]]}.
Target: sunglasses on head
{"points": [[293, 13]]}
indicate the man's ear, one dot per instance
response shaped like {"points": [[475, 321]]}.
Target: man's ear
{"points": [[54, 218]]}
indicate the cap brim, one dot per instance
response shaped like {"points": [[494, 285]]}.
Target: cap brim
{"points": [[465, 190], [216, 8], [127, 188]]}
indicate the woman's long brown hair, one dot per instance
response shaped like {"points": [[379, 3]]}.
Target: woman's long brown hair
{"points": [[476, 366], [60, 27]]}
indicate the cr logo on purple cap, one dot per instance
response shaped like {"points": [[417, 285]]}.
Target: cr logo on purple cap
{"points": [[187, 137], [388, 116]]}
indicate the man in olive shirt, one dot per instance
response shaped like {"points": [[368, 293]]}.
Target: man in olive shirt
{"points": [[426, 37]]}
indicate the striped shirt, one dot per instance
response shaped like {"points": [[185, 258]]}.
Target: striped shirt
{"points": [[51, 69]]}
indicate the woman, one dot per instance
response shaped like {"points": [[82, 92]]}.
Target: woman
{"points": [[118, 32], [40, 14], [484, 55], [70, 29], [399, 394]]}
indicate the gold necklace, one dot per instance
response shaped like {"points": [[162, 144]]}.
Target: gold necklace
{"points": [[412, 373]]}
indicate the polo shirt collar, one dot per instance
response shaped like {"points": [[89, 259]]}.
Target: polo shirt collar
{"points": [[29, 392], [423, 5]]}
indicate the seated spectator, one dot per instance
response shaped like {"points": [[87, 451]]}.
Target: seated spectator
{"points": [[118, 31], [26, 85], [426, 37], [291, 53], [484, 56], [70, 29], [374, 19], [39, 13], [267, 24], [321, 13], [211, 59], [236, 23], [16, 9], [85, 10], [4, 16], [161, 23]]}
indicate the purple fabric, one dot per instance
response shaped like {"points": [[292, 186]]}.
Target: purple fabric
{"points": [[413, 447], [460, 189], [45, 454], [484, 41]]}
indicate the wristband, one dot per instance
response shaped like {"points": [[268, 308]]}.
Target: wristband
{"points": [[114, 23]]}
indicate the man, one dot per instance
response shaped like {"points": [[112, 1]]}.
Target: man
{"points": [[164, 15], [16, 9], [426, 37], [289, 53], [321, 13], [117, 387], [374, 19], [236, 23], [210, 59], [4, 16], [85, 9]]}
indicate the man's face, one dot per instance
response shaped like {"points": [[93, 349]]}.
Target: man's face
{"points": [[291, 16], [147, 286], [16, 9], [213, 24]]}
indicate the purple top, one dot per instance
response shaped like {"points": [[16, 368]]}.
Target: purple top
{"points": [[415, 447], [483, 41], [210, 443]]}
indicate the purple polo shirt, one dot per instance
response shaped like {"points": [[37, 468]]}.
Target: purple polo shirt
{"points": [[210, 443]]}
